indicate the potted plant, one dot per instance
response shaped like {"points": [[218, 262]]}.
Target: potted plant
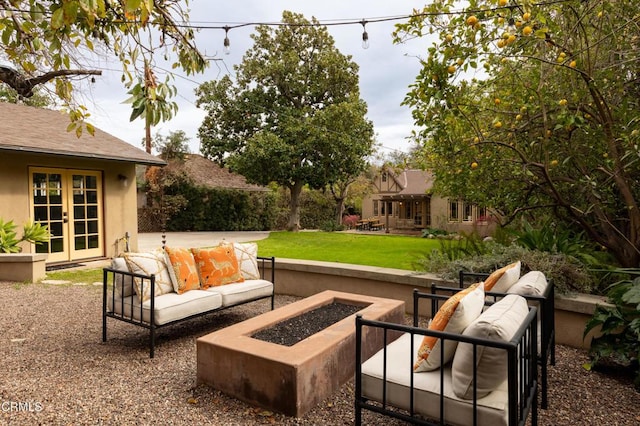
{"points": [[18, 266], [32, 232]]}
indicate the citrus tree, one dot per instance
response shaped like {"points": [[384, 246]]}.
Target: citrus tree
{"points": [[526, 106], [53, 40], [294, 114]]}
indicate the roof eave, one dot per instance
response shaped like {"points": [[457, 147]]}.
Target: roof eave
{"points": [[152, 161]]}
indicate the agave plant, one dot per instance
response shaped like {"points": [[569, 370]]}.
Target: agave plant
{"points": [[32, 232]]}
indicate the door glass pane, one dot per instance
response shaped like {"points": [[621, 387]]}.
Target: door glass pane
{"points": [[40, 214], [78, 196], [92, 212], [78, 181], [92, 226], [56, 212], [92, 197], [94, 241], [42, 248], [79, 227], [78, 212], [91, 182], [55, 228], [80, 243], [57, 245]]}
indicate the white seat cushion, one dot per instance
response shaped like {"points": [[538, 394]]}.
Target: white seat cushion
{"points": [[170, 306], [533, 283], [499, 322], [492, 409], [239, 292]]}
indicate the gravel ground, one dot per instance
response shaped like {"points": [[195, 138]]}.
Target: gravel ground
{"points": [[57, 371]]}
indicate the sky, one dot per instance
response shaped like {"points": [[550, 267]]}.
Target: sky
{"points": [[386, 70]]}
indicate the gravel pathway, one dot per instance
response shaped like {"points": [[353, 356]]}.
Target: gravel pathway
{"points": [[57, 371]]}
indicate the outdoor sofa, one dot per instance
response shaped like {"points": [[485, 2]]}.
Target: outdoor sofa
{"points": [[488, 378], [157, 289]]}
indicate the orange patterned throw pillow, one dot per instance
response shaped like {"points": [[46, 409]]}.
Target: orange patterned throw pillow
{"points": [[183, 271], [501, 280], [217, 266], [454, 316]]}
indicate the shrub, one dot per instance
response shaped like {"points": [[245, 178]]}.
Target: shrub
{"points": [[32, 232], [619, 343], [350, 220], [569, 275], [331, 226], [433, 232]]}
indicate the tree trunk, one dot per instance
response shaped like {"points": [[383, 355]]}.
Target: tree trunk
{"points": [[339, 210], [294, 207]]}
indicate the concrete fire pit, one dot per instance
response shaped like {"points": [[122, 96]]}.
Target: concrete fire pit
{"points": [[291, 379]]}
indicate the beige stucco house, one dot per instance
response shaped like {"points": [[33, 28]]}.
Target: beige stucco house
{"points": [[83, 189], [405, 201]]}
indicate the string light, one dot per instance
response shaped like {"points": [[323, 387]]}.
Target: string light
{"points": [[227, 45], [365, 35]]}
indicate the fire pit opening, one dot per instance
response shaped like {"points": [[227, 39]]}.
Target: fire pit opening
{"points": [[291, 331]]}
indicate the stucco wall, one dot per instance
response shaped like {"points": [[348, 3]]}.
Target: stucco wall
{"points": [[119, 207], [305, 278]]}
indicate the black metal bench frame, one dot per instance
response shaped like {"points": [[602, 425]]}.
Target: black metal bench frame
{"points": [[109, 284], [522, 372]]}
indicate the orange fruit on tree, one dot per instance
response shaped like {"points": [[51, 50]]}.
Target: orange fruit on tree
{"points": [[554, 162], [527, 30], [562, 102], [526, 16], [474, 165], [503, 2], [472, 20], [497, 124], [573, 64], [451, 69]]}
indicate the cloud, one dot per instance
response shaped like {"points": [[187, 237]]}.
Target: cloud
{"points": [[386, 69]]}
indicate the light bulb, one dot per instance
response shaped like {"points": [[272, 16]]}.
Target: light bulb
{"points": [[227, 45], [365, 35], [365, 40]]}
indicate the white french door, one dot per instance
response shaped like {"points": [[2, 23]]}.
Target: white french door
{"points": [[69, 202]]}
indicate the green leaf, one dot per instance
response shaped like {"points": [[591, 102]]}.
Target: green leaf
{"points": [[57, 19]]}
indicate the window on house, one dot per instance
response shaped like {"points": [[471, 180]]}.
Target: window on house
{"points": [[454, 215], [384, 177], [482, 214], [467, 213], [375, 207]]}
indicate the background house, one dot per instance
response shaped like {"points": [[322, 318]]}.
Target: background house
{"points": [[405, 201], [83, 188]]}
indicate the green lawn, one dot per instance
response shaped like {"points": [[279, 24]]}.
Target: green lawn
{"points": [[387, 251]]}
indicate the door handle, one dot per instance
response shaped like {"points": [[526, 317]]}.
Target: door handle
{"points": [[65, 217]]}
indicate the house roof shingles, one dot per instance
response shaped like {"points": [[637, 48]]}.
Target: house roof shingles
{"points": [[44, 131], [207, 173]]}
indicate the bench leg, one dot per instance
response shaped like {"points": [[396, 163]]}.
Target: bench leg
{"points": [[152, 341]]}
